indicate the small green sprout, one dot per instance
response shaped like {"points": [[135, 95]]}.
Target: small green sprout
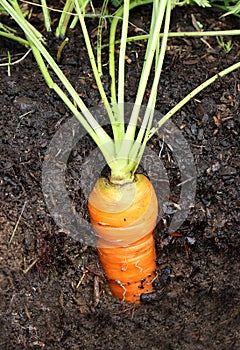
{"points": [[226, 46]]}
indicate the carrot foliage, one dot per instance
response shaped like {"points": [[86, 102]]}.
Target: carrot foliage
{"points": [[123, 151]]}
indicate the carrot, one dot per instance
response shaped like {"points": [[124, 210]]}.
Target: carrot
{"points": [[124, 217]]}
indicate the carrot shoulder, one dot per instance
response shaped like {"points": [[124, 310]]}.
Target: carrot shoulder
{"points": [[124, 217]]}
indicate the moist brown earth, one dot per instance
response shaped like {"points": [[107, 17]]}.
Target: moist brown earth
{"points": [[53, 291]]}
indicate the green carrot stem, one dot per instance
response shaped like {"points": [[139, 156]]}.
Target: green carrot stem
{"points": [[64, 19], [46, 15], [142, 137], [148, 117], [18, 17], [95, 70], [233, 32], [191, 95], [37, 34], [118, 15], [121, 69], [99, 37], [130, 132], [96, 132], [15, 38]]}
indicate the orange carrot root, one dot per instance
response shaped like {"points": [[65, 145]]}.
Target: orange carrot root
{"points": [[124, 217]]}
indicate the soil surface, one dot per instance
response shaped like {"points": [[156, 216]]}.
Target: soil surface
{"points": [[53, 291]]}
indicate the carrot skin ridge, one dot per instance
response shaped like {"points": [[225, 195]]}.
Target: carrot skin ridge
{"points": [[124, 218]]}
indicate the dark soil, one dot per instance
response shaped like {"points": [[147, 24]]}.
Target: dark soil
{"points": [[47, 279]]}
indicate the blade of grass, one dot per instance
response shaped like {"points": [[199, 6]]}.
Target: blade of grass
{"points": [[17, 61], [17, 223], [9, 64]]}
